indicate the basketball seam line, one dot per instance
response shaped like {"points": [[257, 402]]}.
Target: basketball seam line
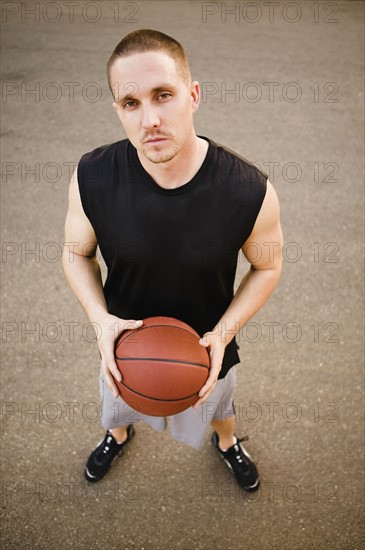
{"points": [[157, 398], [120, 340], [161, 361]]}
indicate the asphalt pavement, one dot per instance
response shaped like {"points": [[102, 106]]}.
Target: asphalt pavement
{"points": [[282, 84]]}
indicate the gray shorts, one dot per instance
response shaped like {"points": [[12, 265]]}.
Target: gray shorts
{"points": [[189, 426]]}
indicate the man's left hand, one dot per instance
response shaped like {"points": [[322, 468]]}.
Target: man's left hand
{"points": [[212, 341]]}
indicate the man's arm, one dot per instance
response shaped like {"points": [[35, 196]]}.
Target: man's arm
{"points": [[83, 273], [263, 249]]}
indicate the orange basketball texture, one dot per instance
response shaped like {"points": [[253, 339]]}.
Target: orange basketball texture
{"points": [[163, 366]]}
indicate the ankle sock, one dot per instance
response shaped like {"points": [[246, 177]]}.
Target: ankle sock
{"points": [[117, 441], [224, 450]]}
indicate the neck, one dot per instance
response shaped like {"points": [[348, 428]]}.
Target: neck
{"points": [[180, 169]]}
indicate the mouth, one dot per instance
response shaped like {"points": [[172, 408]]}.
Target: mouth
{"points": [[156, 140]]}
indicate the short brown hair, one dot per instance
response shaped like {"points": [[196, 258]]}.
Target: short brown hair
{"points": [[144, 40]]}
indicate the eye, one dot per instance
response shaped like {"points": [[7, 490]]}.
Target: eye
{"points": [[164, 95], [129, 104]]}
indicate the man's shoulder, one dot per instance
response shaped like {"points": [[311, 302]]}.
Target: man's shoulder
{"points": [[229, 156], [105, 152]]}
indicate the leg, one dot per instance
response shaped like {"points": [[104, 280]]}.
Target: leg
{"points": [[192, 425], [117, 419], [119, 434], [225, 431], [235, 456], [228, 446]]}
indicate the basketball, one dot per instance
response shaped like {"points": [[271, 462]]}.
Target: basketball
{"points": [[163, 366]]}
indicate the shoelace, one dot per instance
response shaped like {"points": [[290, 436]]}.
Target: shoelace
{"points": [[245, 438], [107, 443], [237, 448]]}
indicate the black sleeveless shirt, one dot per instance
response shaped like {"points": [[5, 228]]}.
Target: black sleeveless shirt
{"points": [[171, 252]]}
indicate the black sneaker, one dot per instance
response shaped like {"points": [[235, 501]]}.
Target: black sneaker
{"points": [[104, 454], [240, 463]]}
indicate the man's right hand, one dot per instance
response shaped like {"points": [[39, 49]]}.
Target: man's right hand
{"points": [[110, 327]]}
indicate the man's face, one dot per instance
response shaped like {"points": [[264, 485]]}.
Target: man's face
{"points": [[154, 104]]}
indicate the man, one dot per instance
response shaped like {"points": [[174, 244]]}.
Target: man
{"points": [[170, 212]]}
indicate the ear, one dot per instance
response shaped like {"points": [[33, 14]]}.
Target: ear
{"points": [[195, 95]]}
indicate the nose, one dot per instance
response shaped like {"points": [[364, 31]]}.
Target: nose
{"points": [[150, 118]]}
